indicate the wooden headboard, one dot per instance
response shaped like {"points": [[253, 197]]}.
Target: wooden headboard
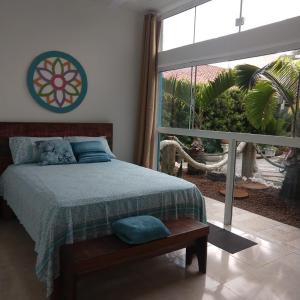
{"points": [[9, 129]]}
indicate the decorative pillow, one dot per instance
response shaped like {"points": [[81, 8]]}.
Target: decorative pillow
{"points": [[101, 139], [93, 157], [140, 229], [90, 152], [55, 152], [23, 148], [90, 146]]}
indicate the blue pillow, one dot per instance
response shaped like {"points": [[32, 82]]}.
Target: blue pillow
{"points": [[55, 152], [90, 146], [140, 229], [101, 139], [90, 152], [93, 157]]}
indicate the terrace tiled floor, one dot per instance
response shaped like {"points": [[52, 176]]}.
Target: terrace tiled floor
{"points": [[269, 270]]}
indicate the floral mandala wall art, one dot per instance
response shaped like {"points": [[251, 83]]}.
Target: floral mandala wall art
{"points": [[57, 81]]}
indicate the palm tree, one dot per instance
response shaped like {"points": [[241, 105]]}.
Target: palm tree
{"points": [[276, 83], [177, 109], [176, 102], [223, 82], [267, 90]]}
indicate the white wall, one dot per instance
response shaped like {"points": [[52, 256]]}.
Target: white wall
{"points": [[106, 41]]}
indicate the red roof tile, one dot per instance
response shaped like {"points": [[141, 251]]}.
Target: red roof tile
{"points": [[205, 73]]}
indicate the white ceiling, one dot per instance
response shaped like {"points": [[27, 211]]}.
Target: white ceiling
{"points": [[160, 6]]}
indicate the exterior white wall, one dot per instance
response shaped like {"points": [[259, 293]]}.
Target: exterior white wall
{"points": [[105, 40]]}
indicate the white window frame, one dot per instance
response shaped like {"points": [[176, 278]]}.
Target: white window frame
{"points": [[196, 3], [277, 37], [273, 38]]}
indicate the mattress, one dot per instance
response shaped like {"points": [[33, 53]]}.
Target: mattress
{"points": [[63, 204]]}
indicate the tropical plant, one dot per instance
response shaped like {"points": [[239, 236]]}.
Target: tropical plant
{"points": [[275, 84], [228, 113], [176, 103], [176, 109], [272, 107]]}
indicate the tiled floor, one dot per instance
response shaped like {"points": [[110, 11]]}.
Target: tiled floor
{"points": [[270, 270]]}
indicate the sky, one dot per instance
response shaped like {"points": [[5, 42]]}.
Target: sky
{"points": [[217, 18]]}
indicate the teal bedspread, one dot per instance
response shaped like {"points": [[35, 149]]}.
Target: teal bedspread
{"points": [[66, 203]]}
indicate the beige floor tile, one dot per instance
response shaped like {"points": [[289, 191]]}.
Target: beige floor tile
{"points": [[247, 216], [257, 256], [252, 223], [295, 243], [287, 228], [217, 223], [223, 267], [252, 287], [277, 280], [192, 290], [215, 209], [280, 234], [281, 247], [215, 217], [286, 268], [193, 287], [234, 230]]}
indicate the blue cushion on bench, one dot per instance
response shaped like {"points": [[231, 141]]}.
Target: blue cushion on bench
{"points": [[140, 229]]}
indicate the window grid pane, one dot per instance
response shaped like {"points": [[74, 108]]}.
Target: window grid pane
{"points": [[178, 30], [258, 13], [216, 18]]}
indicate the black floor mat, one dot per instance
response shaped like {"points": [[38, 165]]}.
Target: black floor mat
{"points": [[227, 240]]}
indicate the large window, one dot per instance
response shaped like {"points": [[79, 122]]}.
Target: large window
{"points": [[217, 18], [229, 113]]}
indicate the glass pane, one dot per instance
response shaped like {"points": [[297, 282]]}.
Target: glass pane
{"points": [[262, 12], [209, 173], [221, 104], [266, 188], [216, 18], [178, 30], [176, 90]]}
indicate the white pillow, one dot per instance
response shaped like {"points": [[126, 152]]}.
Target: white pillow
{"points": [[23, 149]]}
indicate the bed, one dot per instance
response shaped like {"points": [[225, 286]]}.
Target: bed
{"points": [[64, 204]]}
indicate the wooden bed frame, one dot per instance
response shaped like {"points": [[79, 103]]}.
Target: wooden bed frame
{"points": [[188, 234], [9, 129]]}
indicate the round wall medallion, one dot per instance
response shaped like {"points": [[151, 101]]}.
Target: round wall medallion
{"points": [[57, 81]]}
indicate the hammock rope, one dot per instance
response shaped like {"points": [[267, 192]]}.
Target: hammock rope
{"points": [[197, 165]]}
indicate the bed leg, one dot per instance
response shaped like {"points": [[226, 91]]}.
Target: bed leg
{"points": [[5, 211], [56, 295], [201, 252], [68, 282], [64, 289]]}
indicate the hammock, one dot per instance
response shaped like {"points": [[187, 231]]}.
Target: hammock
{"points": [[197, 165]]}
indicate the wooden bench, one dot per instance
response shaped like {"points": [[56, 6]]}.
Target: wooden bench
{"points": [[94, 255]]}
